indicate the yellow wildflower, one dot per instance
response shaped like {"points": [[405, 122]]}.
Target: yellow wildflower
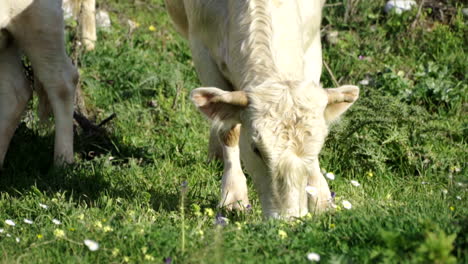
{"points": [[107, 229], [152, 28], [209, 212], [40, 236], [81, 216], [282, 234], [200, 232], [59, 233], [98, 224]]}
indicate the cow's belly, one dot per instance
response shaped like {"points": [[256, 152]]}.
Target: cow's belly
{"points": [[4, 17], [11, 8]]}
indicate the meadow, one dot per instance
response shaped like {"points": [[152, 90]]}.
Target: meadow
{"points": [[143, 191]]}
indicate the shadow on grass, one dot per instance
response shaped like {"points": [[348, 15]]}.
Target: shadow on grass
{"points": [[29, 163]]}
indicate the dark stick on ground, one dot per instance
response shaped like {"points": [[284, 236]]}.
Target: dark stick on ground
{"points": [[88, 126]]}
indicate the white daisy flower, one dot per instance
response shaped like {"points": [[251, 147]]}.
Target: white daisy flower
{"points": [[2, 230], [313, 257], [17, 240], [10, 222], [346, 204], [458, 197], [444, 191], [364, 82], [311, 190], [28, 221], [330, 175], [8, 235], [355, 183], [92, 245], [43, 206], [56, 221]]}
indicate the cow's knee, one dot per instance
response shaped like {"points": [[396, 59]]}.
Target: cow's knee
{"points": [[61, 87]]}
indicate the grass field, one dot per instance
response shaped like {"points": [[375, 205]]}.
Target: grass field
{"points": [[146, 193]]}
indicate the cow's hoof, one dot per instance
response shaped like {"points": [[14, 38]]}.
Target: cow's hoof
{"points": [[234, 201]]}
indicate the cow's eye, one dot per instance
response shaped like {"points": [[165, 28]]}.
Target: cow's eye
{"points": [[256, 151]]}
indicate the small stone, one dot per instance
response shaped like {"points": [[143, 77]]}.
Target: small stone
{"points": [[399, 6], [103, 20], [132, 24], [332, 37], [152, 103], [465, 12]]}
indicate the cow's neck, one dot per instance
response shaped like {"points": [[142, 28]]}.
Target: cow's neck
{"points": [[265, 42]]}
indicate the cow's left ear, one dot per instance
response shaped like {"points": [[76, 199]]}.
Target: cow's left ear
{"points": [[217, 104], [339, 100]]}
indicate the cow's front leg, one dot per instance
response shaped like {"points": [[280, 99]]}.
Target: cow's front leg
{"points": [[44, 46], [234, 185], [319, 199]]}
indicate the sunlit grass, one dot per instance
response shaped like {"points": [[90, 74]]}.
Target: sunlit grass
{"points": [[145, 193]]}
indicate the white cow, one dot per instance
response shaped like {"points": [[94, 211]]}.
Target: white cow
{"points": [[261, 62], [36, 28]]}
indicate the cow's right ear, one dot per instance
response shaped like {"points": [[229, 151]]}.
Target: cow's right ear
{"points": [[217, 104]]}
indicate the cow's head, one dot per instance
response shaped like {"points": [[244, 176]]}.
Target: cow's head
{"points": [[283, 129]]}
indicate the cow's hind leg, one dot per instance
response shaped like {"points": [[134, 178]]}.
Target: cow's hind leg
{"points": [[15, 93], [42, 39]]}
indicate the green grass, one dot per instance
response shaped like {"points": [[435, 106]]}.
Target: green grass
{"points": [[405, 141]]}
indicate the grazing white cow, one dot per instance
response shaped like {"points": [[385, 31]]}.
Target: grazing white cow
{"points": [[261, 62], [85, 12], [36, 28]]}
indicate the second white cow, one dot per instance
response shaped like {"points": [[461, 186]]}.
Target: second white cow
{"points": [[261, 61]]}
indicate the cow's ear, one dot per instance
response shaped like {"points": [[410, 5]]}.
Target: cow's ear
{"points": [[339, 100], [217, 104]]}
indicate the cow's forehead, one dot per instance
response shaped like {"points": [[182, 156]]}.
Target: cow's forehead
{"points": [[296, 132], [296, 98]]}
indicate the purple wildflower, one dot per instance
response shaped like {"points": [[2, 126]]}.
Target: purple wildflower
{"points": [[221, 220]]}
